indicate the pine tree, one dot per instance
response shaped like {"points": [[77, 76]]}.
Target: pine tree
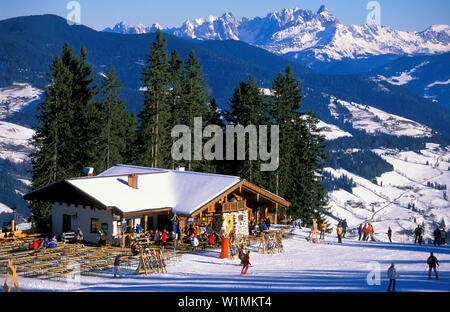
{"points": [[65, 139], [302, 150], [248, 107], [48, 161], [117, 124], [193, 104], [284, 106], [176, 80], [153, 146], [86, 123]]}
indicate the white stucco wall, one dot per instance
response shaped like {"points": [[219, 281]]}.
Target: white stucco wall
{"points": [[83, 220]]}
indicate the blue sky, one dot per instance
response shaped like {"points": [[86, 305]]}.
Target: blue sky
{"points": [[98, 14]]}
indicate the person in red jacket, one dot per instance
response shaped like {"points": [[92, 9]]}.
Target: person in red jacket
{"points": [[245, 263], [164, 237], [212, 239], [35, 245]]}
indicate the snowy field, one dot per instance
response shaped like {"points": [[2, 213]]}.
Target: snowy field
{"points": [[373, 120], [15, 142], [304, 266], [13, 98], [385, 204]]}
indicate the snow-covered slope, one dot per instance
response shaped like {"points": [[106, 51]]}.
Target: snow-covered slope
{"points": [[375, 121], [319, 36], [303, 266], [13, 98], [5, 209], [331, 132], [15, 142], [427, 76], [385, 204]]}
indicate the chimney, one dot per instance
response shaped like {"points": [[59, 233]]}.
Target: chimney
{"points": [[89, 171], [133, 181]]}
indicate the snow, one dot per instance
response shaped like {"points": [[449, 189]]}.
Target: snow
{"points": [[304, 266], [385, 204], [183, 191], [331, 132], [404, 77], [5, 209], [13, 98], [438, 83], [375, 121], [320, 35], [15, 141]]}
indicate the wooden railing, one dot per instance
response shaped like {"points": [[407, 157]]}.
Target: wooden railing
{"points": [[234, 206]]}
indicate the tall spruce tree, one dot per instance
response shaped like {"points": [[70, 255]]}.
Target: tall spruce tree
{"points": [[298, 178], [118, 124], [86, 124], [284, 107], [248, 107], [176, 66], [64, 140], [194, 103], [153, 146]]}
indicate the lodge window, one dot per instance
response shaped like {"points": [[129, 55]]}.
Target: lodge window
{"points": [[95, 224]]}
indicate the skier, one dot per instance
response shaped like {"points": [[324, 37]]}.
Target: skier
{"points": [[417, 234], [365, 232], [432, 261], [389, 234], [360, 231], [370, 232], [443, 237], [393, 275], [323, 227], [344, 226], [437, 237], [299, 223], [339, 231], [117, 266], [245, 262]]}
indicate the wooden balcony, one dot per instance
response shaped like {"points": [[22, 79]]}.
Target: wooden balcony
{"points": [[234, 206]]}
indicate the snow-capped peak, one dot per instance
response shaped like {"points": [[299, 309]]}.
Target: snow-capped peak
{"points": [[323, 9], [303, 33]]}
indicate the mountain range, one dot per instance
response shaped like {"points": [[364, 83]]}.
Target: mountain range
{"points": [[402, 92], [30, 42], [308, 37]]}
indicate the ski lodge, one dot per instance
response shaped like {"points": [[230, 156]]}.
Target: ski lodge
{"points": [[151, 197]]}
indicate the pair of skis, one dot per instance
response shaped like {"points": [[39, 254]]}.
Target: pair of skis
{"points": [[152, 261]]}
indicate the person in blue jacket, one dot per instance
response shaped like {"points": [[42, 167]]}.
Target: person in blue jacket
{"points": [[344, 226], [360, 231], [263, 227]]}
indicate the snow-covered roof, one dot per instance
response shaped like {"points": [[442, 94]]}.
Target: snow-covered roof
{"points": [[183, 191]]}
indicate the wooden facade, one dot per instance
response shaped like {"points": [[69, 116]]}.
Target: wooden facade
{"points": [[244, 196]]}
